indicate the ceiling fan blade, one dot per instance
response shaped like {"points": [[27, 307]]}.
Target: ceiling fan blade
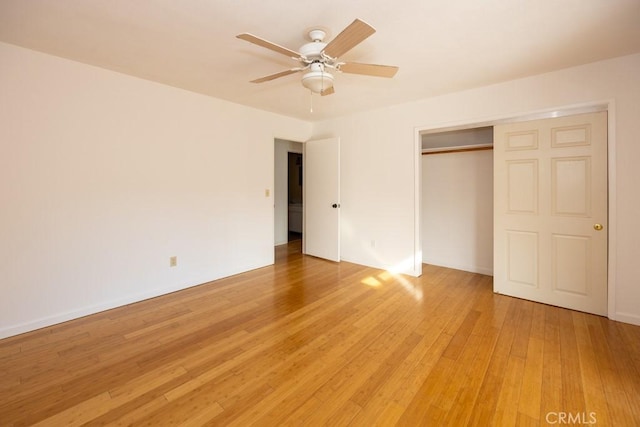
{"points": [[272, 46], [328, 91], [369, 69], [276, 75], [354, 34]]}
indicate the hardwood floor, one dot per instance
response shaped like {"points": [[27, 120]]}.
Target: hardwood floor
{"points": [[310, 342]]}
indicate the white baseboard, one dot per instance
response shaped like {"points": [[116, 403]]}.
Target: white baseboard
{"points": [[55, 319], [632, 319], [487, 271]]}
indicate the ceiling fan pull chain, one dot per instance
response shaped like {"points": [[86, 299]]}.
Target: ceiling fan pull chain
{"points": [[311, 101]]}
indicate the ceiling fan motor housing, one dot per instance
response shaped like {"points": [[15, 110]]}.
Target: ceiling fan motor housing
{"points": [[312, 51]]}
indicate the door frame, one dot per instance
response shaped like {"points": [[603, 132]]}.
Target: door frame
{"points": [[566, 110]]}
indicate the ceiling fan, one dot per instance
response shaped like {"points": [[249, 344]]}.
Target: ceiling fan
{"points": [[318, 58]]}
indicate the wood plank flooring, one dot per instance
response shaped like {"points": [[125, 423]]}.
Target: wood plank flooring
{"points": [[310, 342]]}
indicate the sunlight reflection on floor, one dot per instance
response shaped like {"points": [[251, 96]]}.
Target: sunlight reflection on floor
{"points": [[387, 276]]}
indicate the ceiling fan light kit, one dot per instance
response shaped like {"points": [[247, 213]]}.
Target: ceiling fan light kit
{"points": [[317, 80], [317, 57]]}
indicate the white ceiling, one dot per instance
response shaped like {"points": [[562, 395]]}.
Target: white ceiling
{"points": [[440, 45]]}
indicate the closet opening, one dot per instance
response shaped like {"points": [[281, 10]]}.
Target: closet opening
{"points": [[457, 199]]}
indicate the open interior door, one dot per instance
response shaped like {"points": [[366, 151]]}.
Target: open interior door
{"points": [[321, 236]]}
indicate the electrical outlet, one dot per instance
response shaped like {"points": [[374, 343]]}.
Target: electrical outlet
{"points": [[173, 261], [373, 243]]}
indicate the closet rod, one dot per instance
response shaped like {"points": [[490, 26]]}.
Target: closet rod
{"points": [[457, 150]]}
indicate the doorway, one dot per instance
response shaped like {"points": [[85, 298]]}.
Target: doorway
{"points": [[284, 174], [294, 196]]}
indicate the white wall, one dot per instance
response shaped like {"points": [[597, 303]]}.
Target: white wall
{"points": [[103, 177], [282, 148], [379, 164], [457, 210]]}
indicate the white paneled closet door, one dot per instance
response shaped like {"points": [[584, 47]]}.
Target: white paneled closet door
{"points": [[550, 211]]}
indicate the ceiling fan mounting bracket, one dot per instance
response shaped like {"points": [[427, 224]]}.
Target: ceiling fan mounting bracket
{"points": [[317, 35]]}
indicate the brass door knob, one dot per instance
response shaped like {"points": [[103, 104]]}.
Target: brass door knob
{"points": [[597, 227]]}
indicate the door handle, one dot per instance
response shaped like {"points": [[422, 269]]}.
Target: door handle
{"points": [[335, 205], [597, 227]]}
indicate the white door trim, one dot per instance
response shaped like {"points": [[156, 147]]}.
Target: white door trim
{"points": [[604, 105]]}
